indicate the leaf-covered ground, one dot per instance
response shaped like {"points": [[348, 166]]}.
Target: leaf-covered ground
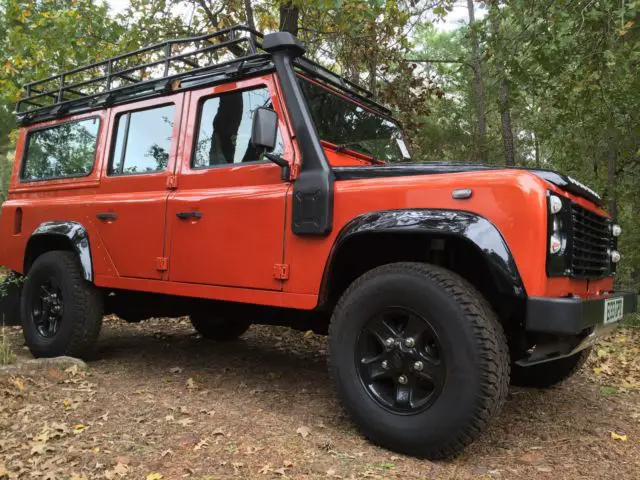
{"points": [[159, 402]]}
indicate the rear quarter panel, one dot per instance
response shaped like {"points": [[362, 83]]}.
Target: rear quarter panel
{"points": [[65, 199]]}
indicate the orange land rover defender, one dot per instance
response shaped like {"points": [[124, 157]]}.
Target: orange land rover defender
{"points": [[228, 178]]}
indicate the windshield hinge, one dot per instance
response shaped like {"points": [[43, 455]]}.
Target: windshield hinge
{"points": [[172, 182], [295, 171], [281, 271]]}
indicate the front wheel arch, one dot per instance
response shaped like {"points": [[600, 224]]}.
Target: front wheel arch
{"points": [[463, 242]]}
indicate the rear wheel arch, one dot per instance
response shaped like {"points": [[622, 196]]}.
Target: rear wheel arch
{"points": [[60, 235], [463, 242]]}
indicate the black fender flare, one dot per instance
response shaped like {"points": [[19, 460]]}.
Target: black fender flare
{"points": [[76, 234], [474, 228]]}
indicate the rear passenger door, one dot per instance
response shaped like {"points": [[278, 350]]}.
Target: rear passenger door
{"points": [[131, 208], [227, 215]]}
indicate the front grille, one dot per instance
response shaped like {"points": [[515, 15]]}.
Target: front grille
{"points": [[590, 243]]}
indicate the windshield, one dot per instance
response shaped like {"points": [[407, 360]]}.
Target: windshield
{"points": [[347, 125]]}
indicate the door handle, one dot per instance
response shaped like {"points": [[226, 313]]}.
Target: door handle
{"points": [[186, 215], [107, 216]]}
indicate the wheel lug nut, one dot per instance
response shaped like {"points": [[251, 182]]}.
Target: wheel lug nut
{"points": [[402, 379], [389, 342], [385, 364], [409, 342], [418, 366]]}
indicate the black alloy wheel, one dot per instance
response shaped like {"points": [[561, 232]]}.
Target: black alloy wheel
{"points": [[399, 361], [47, 307]]}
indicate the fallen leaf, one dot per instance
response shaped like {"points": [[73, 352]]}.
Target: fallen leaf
{"points": [[175, 370], [72, 370], [303, 431], [280, 471], [621, 437], [218, 431], [287, 463], [201, 444], [531, 458], [18, 382], [40, 449], [120, 470], [185, 422], [79, 428], [154, 476], [265, 469], [166, 452], [191, 384]]}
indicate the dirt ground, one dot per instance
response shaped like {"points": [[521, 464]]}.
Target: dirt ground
{"points": [[159, 402]]}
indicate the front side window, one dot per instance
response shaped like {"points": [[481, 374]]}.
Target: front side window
{"points": [[65, 150], [348, 125], [143, 139], [224, 135]]}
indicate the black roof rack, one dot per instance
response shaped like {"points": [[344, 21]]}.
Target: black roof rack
{"points": [[161, 68]]}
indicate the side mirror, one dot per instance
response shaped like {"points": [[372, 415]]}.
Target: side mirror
{"points": [[264, 129]]}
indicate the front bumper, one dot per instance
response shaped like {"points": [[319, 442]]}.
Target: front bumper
{"points": [[571, 316]]}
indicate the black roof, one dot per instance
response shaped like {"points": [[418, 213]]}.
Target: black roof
{"points": [[165, 67]]}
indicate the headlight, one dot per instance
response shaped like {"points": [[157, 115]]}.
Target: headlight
{"points": [[555, 204], [557, 239], [615, 256], [616, 230]]}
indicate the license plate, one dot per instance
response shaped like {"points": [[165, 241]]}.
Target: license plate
{"points": [[613, 310]]}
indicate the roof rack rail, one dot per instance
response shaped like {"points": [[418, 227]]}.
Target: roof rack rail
{"points": [[159, 69]]}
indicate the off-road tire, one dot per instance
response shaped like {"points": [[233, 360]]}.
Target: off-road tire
{"points": [[548, 374], [220, 329], [81, 318], [473, 345]]}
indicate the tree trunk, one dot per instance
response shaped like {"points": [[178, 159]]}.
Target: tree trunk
{"points": [[249, 13], [612, 160], [503, 91], [373, 69], [478, 86], [536, 144], [289, 17], [505, 114]]}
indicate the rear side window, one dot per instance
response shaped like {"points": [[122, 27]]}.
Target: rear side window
{"points": [[65, 150], [224, 136], [143, 139]]}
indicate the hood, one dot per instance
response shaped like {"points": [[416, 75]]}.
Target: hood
{"points": [[564, 182]]}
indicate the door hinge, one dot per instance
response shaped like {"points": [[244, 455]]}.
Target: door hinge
{"points": [[281, 271], [162, 264], [172, 182]]}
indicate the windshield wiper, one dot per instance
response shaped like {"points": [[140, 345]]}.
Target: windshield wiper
{"points": [[360, 148]]}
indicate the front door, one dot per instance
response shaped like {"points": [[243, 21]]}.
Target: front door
{"points": [[131, 208], [227, 216]]}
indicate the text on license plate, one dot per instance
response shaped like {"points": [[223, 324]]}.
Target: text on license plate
{"points": [[613, 310]]}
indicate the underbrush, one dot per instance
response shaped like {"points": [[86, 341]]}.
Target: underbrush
{"points": [[7, 356]]}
